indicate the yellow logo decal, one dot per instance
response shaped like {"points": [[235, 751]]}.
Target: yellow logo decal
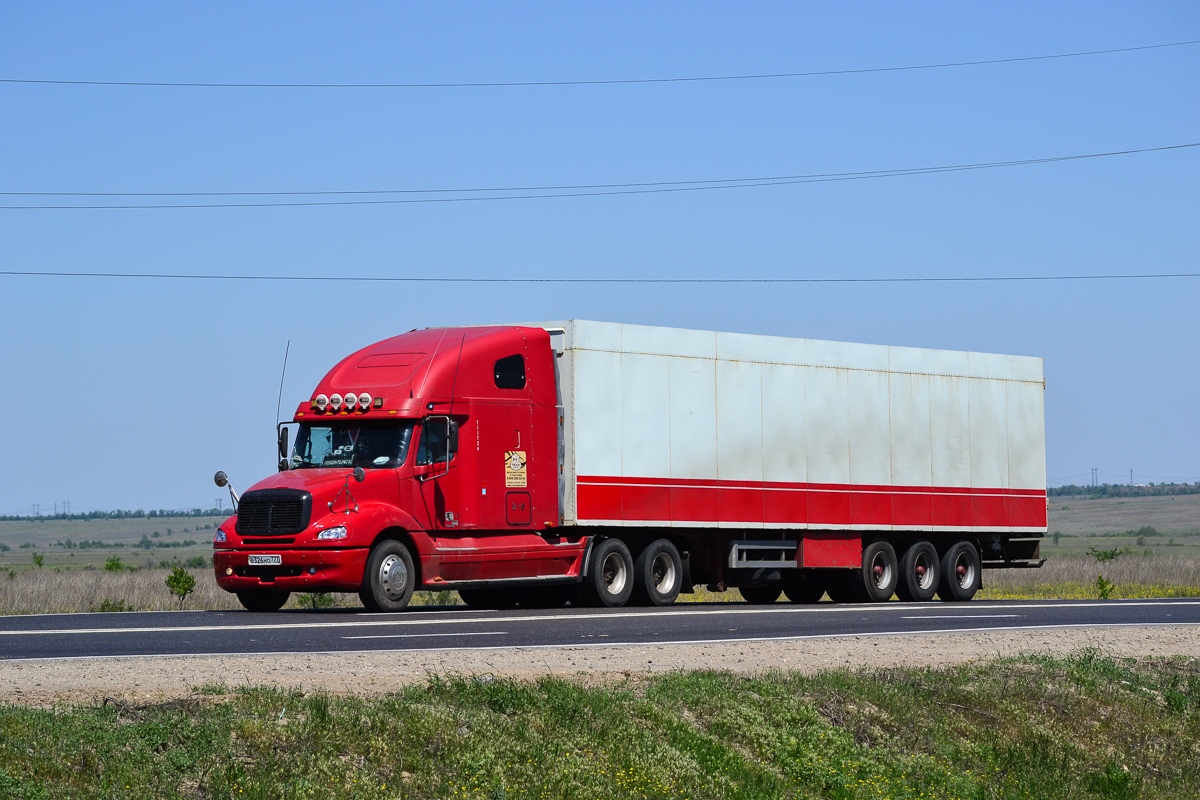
{"points": [[515, 476]]}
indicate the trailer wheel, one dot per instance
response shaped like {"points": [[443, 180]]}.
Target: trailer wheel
{"points": [[761, 595], [960, 573], [880, 571], [803, 587], [494, 599], [609, 582], [657, 574], [919, 573], [262, 599], [389, 577]]}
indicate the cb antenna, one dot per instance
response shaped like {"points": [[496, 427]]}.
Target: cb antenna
{"points": [[279, 401]]}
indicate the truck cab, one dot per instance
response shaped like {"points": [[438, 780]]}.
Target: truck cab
{"points": [[429, 460]]}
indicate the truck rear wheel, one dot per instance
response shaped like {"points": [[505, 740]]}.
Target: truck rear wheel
{"points": [[496, 599], [609, 582], [919, 574], [262, 599], [803, 586], [657, 574], [960, 573], [761, 595], [389, 577]]}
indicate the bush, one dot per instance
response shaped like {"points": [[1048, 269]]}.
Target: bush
{"points": [[181, 583], [114, 564], [315, 600], [196, 562], [38, 560], [107, 605]]}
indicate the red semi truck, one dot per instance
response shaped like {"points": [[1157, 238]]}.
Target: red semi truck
{"points": [[603, 464]]}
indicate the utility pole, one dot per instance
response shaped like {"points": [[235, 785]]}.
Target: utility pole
{"points": [[1094, 471], [219, 506], [1130, 477]]}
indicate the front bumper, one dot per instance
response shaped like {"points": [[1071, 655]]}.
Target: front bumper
{"points": [[332, 570]]}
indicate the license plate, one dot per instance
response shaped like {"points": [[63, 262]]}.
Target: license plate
{"points": [[259, 559]]}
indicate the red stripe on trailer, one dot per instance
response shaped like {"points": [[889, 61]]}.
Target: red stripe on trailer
{"points": [[754, 503]]}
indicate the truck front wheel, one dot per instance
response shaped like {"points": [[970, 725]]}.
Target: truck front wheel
{"points": [[389, 577], [262, 599], [609, 581], [657, 574]]}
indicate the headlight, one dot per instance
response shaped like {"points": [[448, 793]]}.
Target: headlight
{"points": [[220, 537], [333, 533]]}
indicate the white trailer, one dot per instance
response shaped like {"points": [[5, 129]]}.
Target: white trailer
{"points": [[831, 447]]}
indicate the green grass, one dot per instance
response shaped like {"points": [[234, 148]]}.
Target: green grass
{"points": [[1041, 727]]}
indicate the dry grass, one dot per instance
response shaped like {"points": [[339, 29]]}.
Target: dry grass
{"points": [[1075, 578], [47, 591]]}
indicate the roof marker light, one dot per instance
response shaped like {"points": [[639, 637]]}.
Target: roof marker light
{"points": [[335, 401], [364, 401], [351, 401], [321, 402]]}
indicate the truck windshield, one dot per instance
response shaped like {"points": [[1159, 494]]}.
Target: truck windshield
{"points": [[352, 444]]}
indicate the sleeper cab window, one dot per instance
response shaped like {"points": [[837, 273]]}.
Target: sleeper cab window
{"points": [[510, 372]]}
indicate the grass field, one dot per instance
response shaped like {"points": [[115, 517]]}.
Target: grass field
{"points": [[1085, 726], [171, 539]]}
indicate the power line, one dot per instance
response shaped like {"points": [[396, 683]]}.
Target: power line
{"points": [[604, 82], [558, 191], [394, 279]]}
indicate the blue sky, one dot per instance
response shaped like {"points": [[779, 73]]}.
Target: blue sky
{"points": [[131, 393]]}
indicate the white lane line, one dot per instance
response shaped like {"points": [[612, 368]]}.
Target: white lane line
{"points": [[427, 635], [581, 645], [823, 608], [965, 616]]}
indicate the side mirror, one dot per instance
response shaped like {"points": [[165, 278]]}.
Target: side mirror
{"points": [[453, 448], [283, 443], [221, 479], [359, 474]]}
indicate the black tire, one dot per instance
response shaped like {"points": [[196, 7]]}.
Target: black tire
{"points": [[496, 599], [657, 574], [845, 586], [609, 582], [543, 596], [262, 599], [961, 573], [803, 586], [919, 573], [880, 571], [389, 579], [761, 595]]}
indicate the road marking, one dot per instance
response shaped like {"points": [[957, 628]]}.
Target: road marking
{"points": [[823, 608], [427, 635], [964, 616], [582, 645]]}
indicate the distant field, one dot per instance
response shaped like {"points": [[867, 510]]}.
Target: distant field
{"points": [[119, 536], [1105, 524]]}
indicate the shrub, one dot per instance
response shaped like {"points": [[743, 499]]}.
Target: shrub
{"points": [[107, 605], [114, 564], [181, 583], [1105, 555], [196, 562], [315, 600], [4, 548], [38, 560], [1104, 587]]}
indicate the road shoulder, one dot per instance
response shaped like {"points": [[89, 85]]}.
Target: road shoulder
{"points": [[143, 679]]}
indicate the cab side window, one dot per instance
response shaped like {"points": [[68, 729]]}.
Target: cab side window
{"points": [[432, 447], [510, 372]]}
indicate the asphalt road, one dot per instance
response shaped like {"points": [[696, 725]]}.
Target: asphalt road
{"points": [[60, 636]]}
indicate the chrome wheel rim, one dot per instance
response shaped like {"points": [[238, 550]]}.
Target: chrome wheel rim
{"points": [[613, 573], [662, 573], [923, 568], [881, 571], [393, 577], [964, 570]]}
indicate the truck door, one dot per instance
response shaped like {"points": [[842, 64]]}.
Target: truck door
{"points": [[436, 468]]}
